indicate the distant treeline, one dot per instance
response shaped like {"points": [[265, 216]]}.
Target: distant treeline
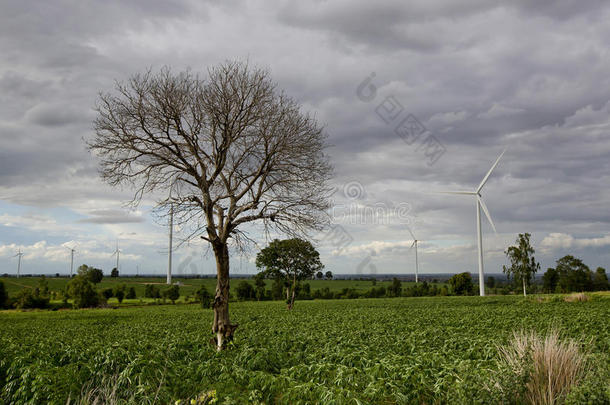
{"points": [[569, 275]]}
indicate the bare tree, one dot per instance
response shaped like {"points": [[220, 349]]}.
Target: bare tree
{"points": [[232, 148]]}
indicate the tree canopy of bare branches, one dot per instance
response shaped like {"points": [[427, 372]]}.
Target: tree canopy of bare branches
{"points": [[232, 148]]}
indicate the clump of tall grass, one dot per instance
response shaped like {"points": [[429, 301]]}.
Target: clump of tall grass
{"points": [[543, 368], [577, 297], [103, 394]]}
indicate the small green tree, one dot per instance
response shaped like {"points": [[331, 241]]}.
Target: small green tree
{"points": [[329, 275], [461, 284], [319, 275], [259, 283], [131, 293], [114, 272], [549, 280], [91, 273], [395, 289], [523, 265], [119, 292], [83, 292], [600, 279], [43, 287], [204, 297], [172, 293], [491, 282], [573, 275], [245, 291], [292, 260], [151, 291], [107, 293]]}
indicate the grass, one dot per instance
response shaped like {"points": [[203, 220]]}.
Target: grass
{"points": [[577, 297], [549, 365]]}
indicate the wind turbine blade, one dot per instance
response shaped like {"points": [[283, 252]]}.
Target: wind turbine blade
{"points": [[490, 170], [486, 211], [411, 248], [411, 232], [458, 192]]}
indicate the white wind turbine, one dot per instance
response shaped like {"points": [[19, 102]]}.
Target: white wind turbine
{"points": [[481, 205], [117, 252], [72, 251], [415, 240], [19, 255]]}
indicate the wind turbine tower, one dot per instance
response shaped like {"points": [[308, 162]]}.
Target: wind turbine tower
{"points": [[72, 250], [416, 260], [19, 255], [481, 205], [117, 252]]}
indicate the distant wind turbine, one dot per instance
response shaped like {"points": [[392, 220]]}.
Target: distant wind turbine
{"points": [[480, 205], [72, 250], [19, 255], [117, 252], [416, 261]]}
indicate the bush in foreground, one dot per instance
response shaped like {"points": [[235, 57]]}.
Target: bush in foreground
{"points": [[540, 369]]}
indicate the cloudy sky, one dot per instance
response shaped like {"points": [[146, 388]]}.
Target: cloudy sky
{"points": [[416, 98]]}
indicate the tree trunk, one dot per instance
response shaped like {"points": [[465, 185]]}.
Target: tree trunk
{"points": [[222, 325], [524, 291]]}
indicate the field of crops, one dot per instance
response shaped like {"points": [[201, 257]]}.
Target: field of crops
{"points": [[384, 351]]}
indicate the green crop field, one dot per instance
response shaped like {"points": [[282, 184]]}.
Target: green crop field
{"points": [[367, 351]]}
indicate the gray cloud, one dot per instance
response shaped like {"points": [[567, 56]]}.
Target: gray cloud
{"points": [[479, 75], [111, 217]]}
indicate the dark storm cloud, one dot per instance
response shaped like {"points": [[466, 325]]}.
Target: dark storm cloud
{"points": [[479, 75]]}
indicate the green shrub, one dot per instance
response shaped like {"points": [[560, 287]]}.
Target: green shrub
{"points": [[83, 293], [151, 291], [31, 298], [245, 291], [91, 273], [204, 297], [461, 284], [119, 292], [172, 293], [107, 293]]}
